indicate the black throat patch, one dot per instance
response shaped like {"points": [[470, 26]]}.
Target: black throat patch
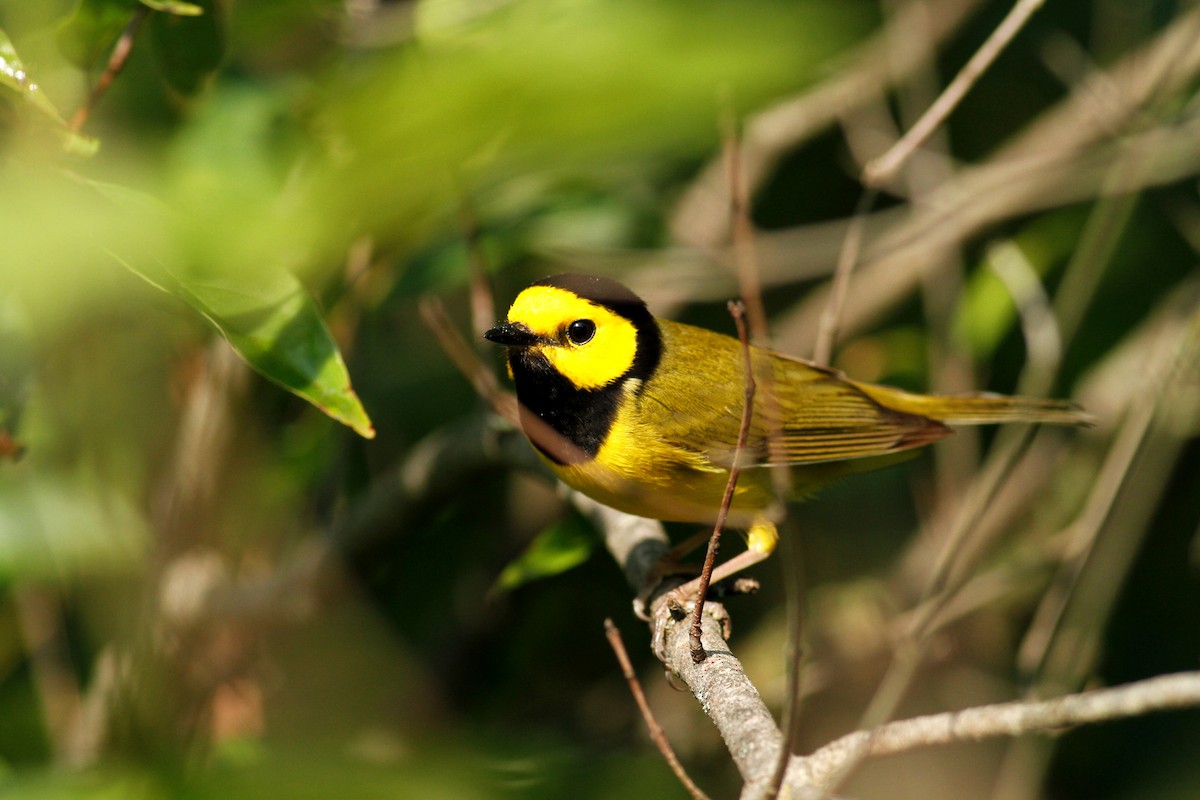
{"points": [[585, 416]]}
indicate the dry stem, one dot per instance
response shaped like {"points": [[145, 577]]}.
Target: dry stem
{"points": [[116, 63], [1019, 718], [738, 311], [883, 169], [656, 732]]}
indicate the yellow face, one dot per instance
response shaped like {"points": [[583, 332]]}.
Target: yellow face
{"points": [[586, 343]]}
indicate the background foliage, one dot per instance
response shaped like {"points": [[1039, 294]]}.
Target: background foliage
{"points": [[208, 587]]}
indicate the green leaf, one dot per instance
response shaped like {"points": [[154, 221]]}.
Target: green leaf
{"points": [[264, 312], [177, 7], [562, 546], [270, 319], [509, 89], [189, 47], [57, 527], [15, 79]]}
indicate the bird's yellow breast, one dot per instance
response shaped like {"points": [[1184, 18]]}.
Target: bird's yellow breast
{"points": [[639, 471]]}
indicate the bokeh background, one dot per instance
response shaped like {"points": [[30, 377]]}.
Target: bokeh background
{"points": [[211, 588]]}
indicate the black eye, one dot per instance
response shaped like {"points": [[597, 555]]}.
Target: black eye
{"points": [[581, 331]]}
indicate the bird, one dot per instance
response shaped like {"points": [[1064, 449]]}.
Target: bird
{"points": [[644, 414]]}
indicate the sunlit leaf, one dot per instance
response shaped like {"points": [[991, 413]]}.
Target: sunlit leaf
{"points": [[15, 78], [562, 546], [270, 319], [177, 7], [264, 312], [59, 527]]}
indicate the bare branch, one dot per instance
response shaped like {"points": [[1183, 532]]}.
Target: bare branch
{"points": [[1180, 690], [116, 63], [886, 59], [1060, 158], [656, 732], [827, 326], [1145, 447], [883, 169], [738, 311]]}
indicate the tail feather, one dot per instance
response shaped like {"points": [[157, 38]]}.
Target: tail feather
{"points": [[980, 409]]}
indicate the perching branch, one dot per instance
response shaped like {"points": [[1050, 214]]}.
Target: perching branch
{"points": [[733, 703]]}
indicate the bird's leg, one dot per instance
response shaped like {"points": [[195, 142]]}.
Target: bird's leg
{"points": [[760, 539], [668, 565], [689, 544]]}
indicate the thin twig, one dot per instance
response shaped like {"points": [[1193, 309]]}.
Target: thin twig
{"points": [[887, 59], [1165, 692], [116, 62], [433, 314], [750, 283], [483, 304], [656, 732], [827, 328], [738, 311], [884, 168], [1160, 387]]}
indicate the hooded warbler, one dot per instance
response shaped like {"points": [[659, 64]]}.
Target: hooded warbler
{"points": [[643, 414]]}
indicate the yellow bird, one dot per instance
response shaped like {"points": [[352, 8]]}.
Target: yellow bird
{"points": [[643, 414]]}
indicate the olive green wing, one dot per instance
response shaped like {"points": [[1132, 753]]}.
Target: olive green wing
{"points": [[694, 403], [820, 416]]}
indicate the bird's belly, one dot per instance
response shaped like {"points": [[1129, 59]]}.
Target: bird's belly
{"points": [[642, 476]]}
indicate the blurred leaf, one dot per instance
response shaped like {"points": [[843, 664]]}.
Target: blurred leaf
{"points": [[562, 546], [57, 528], [986, 312], [558, 88], [107, 783], [174, 7], [16, 375], [189, 47], [16, 80], [89, 33]]}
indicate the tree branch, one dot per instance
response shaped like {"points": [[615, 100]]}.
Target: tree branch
{"points": [[1165, 692], [883, 169], [656, 732], [886, 59]]}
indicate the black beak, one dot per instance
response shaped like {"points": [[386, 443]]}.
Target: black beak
{"points": [[513, 334]]}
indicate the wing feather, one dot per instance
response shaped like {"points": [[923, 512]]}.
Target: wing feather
{"points": [[818, 415]]}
